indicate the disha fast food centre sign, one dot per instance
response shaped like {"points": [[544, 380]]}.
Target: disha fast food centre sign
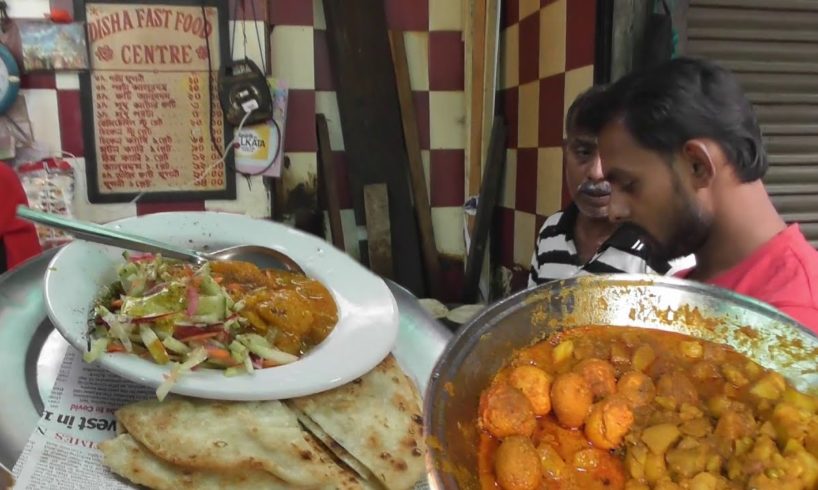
{"points": [[150, 102]]}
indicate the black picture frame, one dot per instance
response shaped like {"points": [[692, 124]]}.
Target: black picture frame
{"points": [[88, 126]]}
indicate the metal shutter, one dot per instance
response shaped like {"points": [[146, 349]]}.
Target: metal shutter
{"points": [[772, 46]]}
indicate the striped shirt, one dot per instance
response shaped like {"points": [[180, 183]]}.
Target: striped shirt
{"points": [[555, 255]]}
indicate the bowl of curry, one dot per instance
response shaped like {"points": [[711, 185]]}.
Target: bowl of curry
{"points": [[626, 382]]}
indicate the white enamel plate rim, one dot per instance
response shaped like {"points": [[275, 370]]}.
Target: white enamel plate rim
{"points": [[365, 334]]}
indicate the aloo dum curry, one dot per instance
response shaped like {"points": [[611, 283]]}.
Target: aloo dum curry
{"points": [[636, 409]]}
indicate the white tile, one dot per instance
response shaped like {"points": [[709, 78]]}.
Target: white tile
{"points": [[326, 103], [67, 81], [524, 233], [528, 7], [549, 180], [44, 115], [447, 120], [319, 20], [303, 169], [447, 223], [97, 213], [252, 199], [293, 56], [417, 57], [350, 228], [254, 48], [28, 8], [552, 38], [509, 71], [508, 193], [577, 81], [445, 15]]}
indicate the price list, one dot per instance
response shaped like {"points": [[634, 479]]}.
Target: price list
{"points": [[146, 141]]}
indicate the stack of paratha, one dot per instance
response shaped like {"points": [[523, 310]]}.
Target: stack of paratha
{"points": [[364, 435]]}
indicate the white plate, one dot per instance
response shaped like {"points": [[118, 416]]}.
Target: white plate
{"points": [[367, 313]]}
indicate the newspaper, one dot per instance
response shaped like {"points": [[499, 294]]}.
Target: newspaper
{"points": [[63, 451]]}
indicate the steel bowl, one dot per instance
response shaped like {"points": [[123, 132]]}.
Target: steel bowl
{"points": [[486, 344]]}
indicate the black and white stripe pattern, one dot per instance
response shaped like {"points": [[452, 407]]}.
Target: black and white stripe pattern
{"points": [[555, 256]]}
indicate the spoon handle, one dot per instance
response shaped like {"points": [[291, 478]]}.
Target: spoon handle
{"points": [[108, 236]]}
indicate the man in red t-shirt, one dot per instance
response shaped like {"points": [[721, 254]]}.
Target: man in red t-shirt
{"points": [[683, 151], [18, 238]]}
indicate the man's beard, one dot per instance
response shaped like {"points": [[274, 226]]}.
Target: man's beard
{"points": [[690, 230]]}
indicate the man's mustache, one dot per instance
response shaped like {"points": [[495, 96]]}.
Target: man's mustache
{"points": [[595, 189]]}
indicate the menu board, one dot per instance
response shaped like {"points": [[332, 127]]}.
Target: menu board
{"points": [[149, 107]]}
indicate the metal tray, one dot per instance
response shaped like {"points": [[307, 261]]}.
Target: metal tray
{"points": [[31, 351]]}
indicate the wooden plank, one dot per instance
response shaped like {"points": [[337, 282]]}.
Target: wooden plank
{"points": [[370, 119], [379, 235], [423, 210], [327, 179], [485, 210], [475, 99], [492, 60]]}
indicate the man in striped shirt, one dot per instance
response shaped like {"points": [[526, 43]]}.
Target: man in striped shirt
{"points": [[581, 239]]}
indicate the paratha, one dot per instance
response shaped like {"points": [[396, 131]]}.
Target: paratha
{"points": [[234, 437], [127, 458], [377, 420]]}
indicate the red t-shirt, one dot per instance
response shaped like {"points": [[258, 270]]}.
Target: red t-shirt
{"points": [[783, 273], [19, 237]]}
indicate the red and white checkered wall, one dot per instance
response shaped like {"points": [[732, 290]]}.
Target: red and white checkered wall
{"points": [[299, 55], [546, 56]]}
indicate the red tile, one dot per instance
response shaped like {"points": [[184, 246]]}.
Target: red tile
{"points": [[70, 114], [251, 9], [453, 279], [300, 130], [446, 65], [290, 12], [341, 167], [447, 177], [552, 93], [510, 111], [529, 49], [504, 235], [143, 208], [38, 80], [422, 116], [539, 220], [526, 187], [580, 29], [511, 13], [323, 69], [407, 15]]}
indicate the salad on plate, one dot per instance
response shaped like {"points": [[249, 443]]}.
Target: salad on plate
{"points": [[225, 315]]}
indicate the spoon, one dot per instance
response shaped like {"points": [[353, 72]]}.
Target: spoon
{"points": [[263, 257]]}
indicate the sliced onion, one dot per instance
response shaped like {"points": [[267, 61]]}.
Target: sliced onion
{"points": [[192, 300]]}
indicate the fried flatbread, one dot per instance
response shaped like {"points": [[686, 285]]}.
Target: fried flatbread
{"points": [[377, 420], [234, 437], [129, 459]]}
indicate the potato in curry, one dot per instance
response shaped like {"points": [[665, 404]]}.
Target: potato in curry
{"points": [[627, 408]]}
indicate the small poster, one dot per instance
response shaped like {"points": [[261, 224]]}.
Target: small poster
{"points": [[153, 120], [50, 46]]}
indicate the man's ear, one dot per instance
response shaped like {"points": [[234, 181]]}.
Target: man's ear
{"points": [[699, 158]]}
